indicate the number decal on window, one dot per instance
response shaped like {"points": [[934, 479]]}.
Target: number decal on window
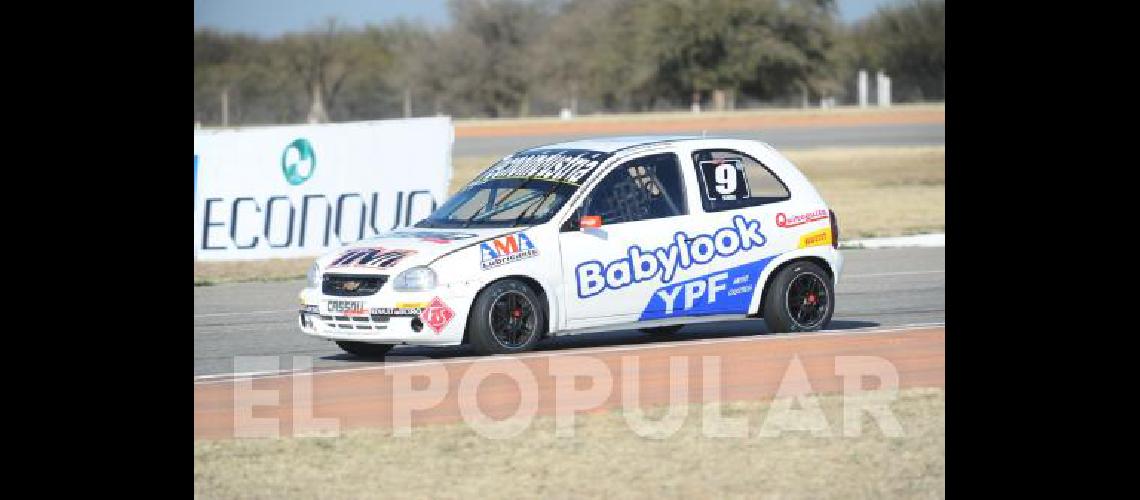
{"points": [[724, 179], [725, 175]]}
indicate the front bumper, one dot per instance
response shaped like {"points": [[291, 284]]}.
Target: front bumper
{"points": [[387, 317]]}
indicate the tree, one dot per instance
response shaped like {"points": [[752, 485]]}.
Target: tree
{"points": [[322, 59], [908, 41], [584, 52], [222, 64], [484, 58], [500, 57], [409, 45], [766, 48]]}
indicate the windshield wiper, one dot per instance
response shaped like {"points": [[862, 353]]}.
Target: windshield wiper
{"points": [[508, 195], [553, 188]]}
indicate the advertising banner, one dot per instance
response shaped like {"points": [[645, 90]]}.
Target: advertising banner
{"points": [[301, 190]]}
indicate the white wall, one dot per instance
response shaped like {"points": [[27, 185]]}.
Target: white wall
{"points": [[360, 178]]}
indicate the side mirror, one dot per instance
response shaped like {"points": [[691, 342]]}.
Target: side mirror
{"points": [[590, 222]]}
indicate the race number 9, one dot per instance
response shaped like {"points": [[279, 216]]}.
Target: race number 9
{"points": [[724, 179], [725, 175]]}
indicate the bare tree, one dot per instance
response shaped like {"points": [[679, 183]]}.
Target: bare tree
{"points": [[322, 59]]}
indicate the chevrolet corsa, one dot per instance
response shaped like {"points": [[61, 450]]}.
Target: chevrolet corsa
{"points": [[641, 232]]}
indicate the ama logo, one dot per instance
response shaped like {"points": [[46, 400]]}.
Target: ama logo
{"points": [[506, 249]]}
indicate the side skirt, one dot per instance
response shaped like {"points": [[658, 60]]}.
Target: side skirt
{"points": [[633, 325]]}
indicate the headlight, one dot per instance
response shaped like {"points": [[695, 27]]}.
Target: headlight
{"points": [[314, 276], [416, 279]]}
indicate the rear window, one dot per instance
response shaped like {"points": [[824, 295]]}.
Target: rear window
{"points": [[731, 179]]}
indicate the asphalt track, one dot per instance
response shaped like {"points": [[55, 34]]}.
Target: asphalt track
{"points": [[908, 134], [878, 288]]}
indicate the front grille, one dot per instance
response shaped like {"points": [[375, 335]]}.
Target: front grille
{"points": [[336, 323], [345, 285]]}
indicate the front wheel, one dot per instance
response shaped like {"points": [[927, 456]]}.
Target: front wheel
{"points": [[364, 349], [508, 316], [799, 299]]}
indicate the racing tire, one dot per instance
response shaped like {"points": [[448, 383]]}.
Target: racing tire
{"points": [[507, 317], [662, 331], [801, 298], [364, 349]]}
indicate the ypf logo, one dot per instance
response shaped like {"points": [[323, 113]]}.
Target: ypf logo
{"points": [[298, 161]]}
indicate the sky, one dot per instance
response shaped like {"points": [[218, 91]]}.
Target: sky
{"points": [[269, 18]]}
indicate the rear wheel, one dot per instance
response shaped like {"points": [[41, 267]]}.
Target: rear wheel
{"points": [[508, 316], [364, 349], [799, 299]]}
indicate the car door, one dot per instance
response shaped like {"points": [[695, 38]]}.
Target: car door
{"points": [[610, 271]]}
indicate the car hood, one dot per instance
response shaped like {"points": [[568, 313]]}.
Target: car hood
{"points": [[392, 252]]}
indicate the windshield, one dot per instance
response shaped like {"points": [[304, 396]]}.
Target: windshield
{"points": [[527, 188], [502, 203]]}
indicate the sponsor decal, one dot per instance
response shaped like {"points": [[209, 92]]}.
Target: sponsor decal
{"points": [[725, 292], [816, 238], [373, 257], [684, 252], [402, 309], [346, 307], [569, 166], [288, 222], [505, 250], [784, 220], [429, 236], [724, 179], [437, 315], [277, 209], [420, 305], [298, 161], [310, 308]]}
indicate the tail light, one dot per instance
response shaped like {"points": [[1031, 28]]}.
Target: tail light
{"points": [[834, 229]]}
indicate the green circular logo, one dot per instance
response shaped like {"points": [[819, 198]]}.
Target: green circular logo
{"points": [[298, 161]]}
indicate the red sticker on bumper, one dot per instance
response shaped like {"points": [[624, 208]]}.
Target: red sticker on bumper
{"points": [[437, 315]]}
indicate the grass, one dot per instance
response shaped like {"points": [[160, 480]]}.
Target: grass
{"points": [[875, 191], [898, 109], [215, 273], [880, 191], [604, 458]]}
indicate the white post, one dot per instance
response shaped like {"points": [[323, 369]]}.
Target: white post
{"points": [[883, 85], [862, 88], [226, 107]]}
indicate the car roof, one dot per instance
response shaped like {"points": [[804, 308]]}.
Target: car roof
{"points": [[614, 144]]}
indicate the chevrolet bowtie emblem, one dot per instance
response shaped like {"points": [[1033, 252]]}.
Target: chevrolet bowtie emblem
{"points": [[350, 285]]}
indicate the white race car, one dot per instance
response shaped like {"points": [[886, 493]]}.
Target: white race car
{"points": [[594, 235]]}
